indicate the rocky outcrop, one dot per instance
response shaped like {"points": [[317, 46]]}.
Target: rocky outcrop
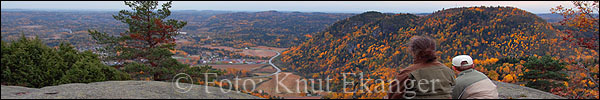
{"points": [[166, 90], [513, 91], [118, 90]]}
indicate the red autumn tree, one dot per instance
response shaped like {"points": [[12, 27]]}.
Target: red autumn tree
{"points": [[584, 19]]}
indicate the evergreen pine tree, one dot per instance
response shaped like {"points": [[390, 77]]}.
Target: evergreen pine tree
{"points": [[148, 40], [544, 73]]}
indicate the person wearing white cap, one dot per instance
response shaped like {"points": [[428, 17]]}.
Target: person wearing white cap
{"points": [[470, 83]]}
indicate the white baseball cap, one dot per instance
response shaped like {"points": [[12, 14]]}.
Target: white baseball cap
{"points": [[456, 61]]}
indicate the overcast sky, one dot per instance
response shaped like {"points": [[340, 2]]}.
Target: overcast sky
{"points": [[302, 6]]}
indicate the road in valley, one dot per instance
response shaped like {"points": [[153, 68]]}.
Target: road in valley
{"points": [[271, 62]]}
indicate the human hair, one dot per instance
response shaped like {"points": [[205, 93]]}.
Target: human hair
{"points": [[422, 48], [463, 66]]}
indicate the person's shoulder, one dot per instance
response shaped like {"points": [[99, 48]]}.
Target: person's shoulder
{"points": [[405, 70], [478, 72], [489, 82], [410, 68], [442, 66]]}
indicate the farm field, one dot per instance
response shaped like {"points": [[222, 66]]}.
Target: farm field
{"points": [[247, 67], [271, 48], [262, 51], [249, 83], [264, 70], [289, 82]]}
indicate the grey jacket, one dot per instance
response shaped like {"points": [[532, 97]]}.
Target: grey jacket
{"points": [[472, 84]]}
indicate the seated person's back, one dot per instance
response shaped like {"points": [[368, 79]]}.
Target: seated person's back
{"points": [[470, 83], [426, 78]]}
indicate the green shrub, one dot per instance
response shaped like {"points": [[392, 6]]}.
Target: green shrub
{"points": [[134, 69], [198, 72], [29, 62], [166, 69]]}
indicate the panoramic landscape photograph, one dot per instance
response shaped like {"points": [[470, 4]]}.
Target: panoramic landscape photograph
{"points": [[300, 50]]}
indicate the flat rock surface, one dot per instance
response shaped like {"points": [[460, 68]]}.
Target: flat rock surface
{"points": [[513, 91], [166, 90], [120, 89]]}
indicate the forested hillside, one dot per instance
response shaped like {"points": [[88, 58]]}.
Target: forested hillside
{"points": [[373, 43]]}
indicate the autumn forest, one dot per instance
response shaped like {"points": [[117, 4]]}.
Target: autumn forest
{"points": [[555, 53]]}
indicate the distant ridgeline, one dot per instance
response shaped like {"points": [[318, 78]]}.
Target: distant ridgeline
{"points": [[269, 28], [372, 42], [237, 29]]}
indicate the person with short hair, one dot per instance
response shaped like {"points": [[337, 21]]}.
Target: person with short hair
{"points": [[470, 83]]}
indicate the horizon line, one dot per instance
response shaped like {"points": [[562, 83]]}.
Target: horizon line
{"points": [[352, 12]]}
